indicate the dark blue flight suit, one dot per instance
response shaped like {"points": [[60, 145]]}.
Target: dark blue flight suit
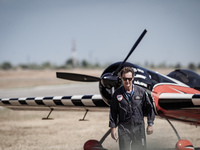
{"points": [[127, 112]]}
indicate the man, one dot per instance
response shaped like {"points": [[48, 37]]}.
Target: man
{"points": [[129, 104]]}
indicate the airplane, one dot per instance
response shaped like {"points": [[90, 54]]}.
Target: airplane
{"points": [[174, 96]]}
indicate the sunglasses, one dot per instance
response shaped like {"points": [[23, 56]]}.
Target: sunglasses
{"points": [[125, 79]]}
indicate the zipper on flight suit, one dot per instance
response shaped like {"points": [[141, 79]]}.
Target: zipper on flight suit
{"points": [[130, 107]]}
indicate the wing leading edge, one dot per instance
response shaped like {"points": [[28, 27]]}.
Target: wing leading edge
{"points": [[75, 102]]}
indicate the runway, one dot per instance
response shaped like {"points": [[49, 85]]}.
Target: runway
{"points": [[25, 129]]}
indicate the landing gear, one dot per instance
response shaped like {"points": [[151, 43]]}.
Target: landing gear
{"points": [[86, 111], [182, 144], [105, 136], [93, 145], [96, 145], [47, 118], [173, 129]]}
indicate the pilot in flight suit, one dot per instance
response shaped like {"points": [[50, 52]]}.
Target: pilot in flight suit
{"points": [[129, 105]]}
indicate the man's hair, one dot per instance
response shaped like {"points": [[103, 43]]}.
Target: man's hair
{"points": [[126, 70]]}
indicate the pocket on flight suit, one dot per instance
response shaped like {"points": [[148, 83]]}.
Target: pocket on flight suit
{"points": [[137, 101]]}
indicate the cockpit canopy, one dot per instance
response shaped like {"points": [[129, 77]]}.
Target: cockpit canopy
{"points": [[188, 77]]}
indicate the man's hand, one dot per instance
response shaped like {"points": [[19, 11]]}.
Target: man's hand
{"points": [[149, 130], [114, 133]]}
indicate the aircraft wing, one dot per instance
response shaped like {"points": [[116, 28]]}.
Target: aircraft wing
{"points": [[184, 107], [75, 102], [177, 102]]}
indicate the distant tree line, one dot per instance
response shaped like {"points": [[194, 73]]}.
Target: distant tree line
{"points": [[69, 64], [48, 65]]}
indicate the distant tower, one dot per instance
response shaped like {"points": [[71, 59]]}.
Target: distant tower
{"points": [[74, 59]]}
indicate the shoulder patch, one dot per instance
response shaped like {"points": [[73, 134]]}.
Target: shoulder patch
{"points": [[120, 97]]}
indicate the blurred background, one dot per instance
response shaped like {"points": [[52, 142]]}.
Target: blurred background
{"points": [[66, 34]]}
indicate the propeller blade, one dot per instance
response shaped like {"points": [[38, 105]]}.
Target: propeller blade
{"points": [[131, 51], [77, 77]]}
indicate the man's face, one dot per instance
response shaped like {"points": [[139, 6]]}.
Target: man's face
{"points": [[127, 79]]}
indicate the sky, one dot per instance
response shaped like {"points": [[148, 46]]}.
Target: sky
{"points": [[37, 31]]}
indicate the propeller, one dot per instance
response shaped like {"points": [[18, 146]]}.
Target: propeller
{"points": [[108, 80], [77, 77], [131, 51]]}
